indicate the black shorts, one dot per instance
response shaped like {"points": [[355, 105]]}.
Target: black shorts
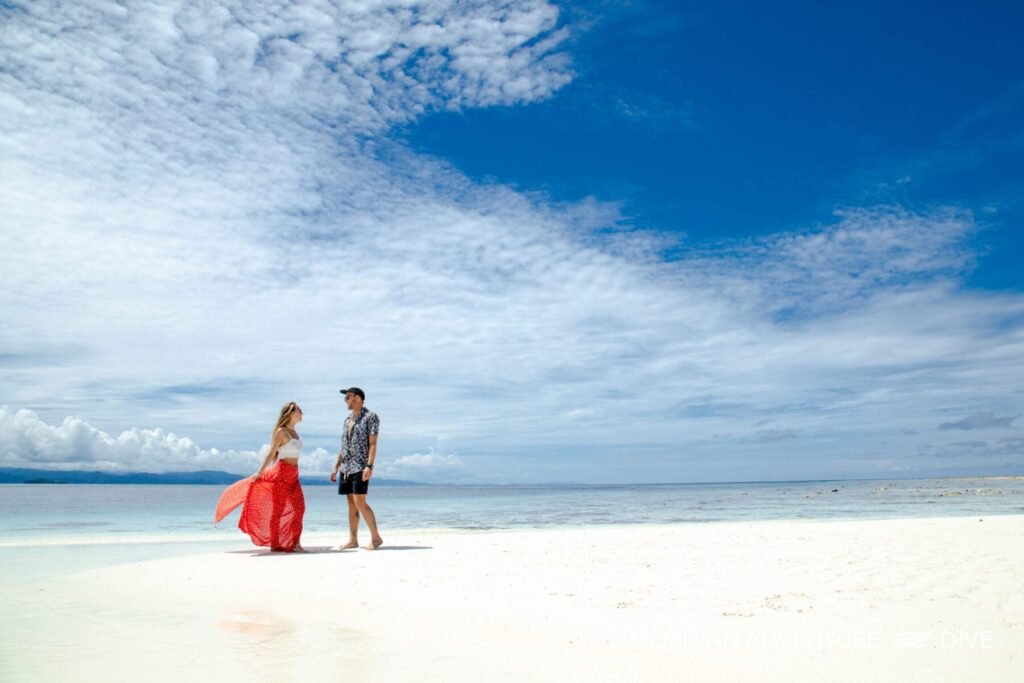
{"points": [[353, 483]]}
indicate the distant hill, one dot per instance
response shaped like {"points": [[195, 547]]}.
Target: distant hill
{"points": [[18, 475]]}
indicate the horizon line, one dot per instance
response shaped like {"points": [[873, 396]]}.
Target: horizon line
{"points": [[504, 484]]}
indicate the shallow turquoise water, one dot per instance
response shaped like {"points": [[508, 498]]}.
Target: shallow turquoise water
{"points": [[100, 513], [47, 530]]}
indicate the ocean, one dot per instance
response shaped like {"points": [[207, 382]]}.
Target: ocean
{"points": [[51, 530], [49, 514]]}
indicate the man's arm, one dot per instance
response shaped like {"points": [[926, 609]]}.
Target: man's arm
{"points": [[337, 464], [372, 455], [341, 454]]}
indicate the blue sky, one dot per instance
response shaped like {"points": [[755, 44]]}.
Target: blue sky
{"points": [[734, 118], [595, 242]]}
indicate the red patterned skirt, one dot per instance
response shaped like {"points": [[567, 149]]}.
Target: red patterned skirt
{"points": [[272, 506]]}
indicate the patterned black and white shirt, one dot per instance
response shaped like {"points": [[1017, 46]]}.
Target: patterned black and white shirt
{"points": [[355, 450]]}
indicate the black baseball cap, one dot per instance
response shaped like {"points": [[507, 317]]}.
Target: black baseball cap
{"points": [[355, 390]]}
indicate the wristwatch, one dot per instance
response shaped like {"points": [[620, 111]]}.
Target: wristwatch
{"points": [[369, 465]]}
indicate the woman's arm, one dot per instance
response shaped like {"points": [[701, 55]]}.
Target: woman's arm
{"points": [[275, 444]]}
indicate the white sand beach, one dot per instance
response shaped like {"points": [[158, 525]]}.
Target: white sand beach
{"points": [[887, 600]]}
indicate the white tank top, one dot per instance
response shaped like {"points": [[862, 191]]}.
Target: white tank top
{"points": [[290, 449]]}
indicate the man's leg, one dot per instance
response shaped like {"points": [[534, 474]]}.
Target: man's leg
{"points": [[371, 520], [353, 523]]}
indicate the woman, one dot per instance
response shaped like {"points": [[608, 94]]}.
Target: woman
{"points": [[271, 499]]}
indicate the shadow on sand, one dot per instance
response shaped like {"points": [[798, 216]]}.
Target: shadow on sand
{"points": [[320, 549]]}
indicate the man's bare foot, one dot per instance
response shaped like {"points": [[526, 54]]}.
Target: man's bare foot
{"points": [[350, 544], [376, 543]]}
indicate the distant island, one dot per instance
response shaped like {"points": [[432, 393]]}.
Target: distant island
{"points": [[18, 475]]}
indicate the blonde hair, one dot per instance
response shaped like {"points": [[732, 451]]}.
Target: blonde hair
{"points": [[284, 417]]}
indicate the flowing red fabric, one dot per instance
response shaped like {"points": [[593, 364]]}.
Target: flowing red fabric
{"points": [[272, 506], [232, 497]]}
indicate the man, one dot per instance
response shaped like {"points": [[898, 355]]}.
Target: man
{"points": [[355, 460]]}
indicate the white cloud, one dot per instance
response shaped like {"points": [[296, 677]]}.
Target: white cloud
{"points": [[433, 466], [27, 441], [203, 217], [74, 444], [830, 268]]}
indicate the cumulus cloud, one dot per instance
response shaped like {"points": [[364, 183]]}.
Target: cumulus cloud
{"points": [[204, 217], [432, 466], [74, 444], [28, 441]]}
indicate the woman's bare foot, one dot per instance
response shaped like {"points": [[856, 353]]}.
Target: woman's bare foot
{"points": [[299, 549], [350, 544], [376, 543], [275, 549]]}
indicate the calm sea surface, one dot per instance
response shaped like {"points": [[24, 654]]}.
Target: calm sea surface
{"points": [[34, 514]]}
